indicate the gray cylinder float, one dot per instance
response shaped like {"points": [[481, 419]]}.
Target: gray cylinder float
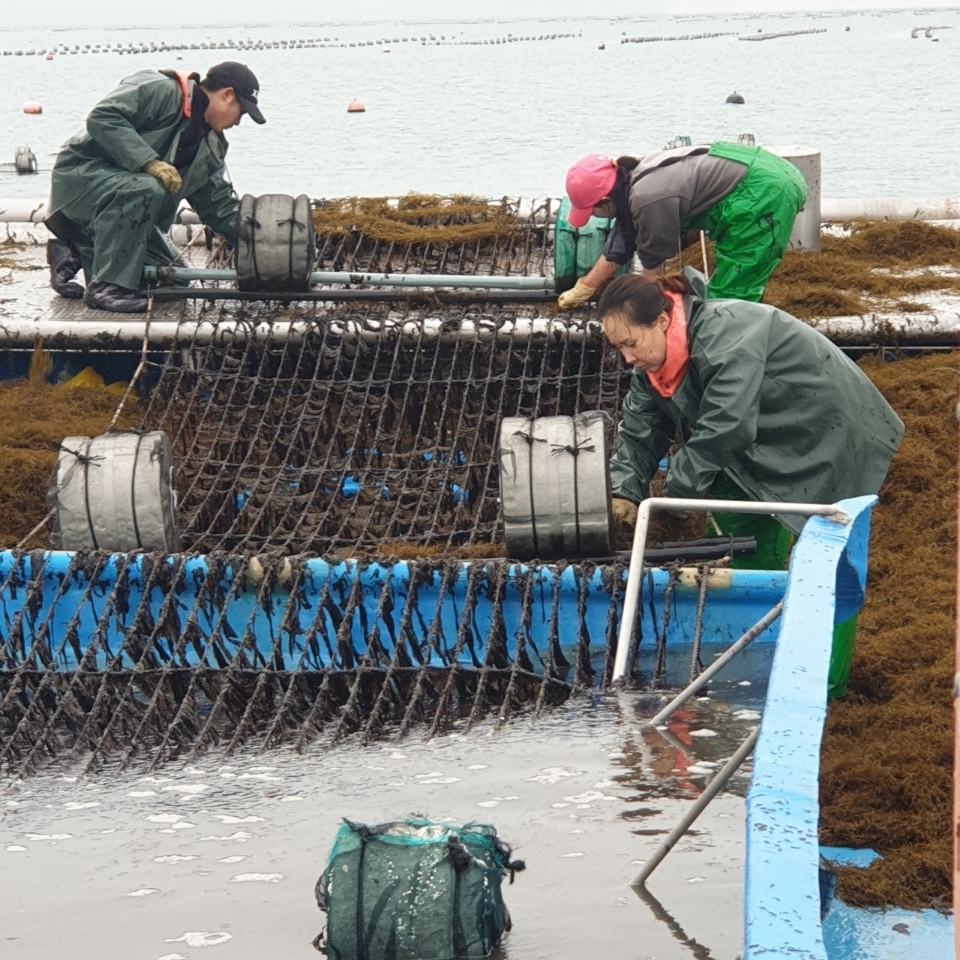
{"points": [[555, 486], [276, 248], [115, 492]]}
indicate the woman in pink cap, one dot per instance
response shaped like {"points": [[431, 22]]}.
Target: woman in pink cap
{"points": [[743, 197]]}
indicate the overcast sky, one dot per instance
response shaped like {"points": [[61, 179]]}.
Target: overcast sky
{"points": [[71, 13]]}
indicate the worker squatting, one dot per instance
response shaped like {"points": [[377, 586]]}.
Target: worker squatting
{"points": [[763, 406]]}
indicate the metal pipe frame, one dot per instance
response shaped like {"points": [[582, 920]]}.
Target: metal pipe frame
{"points": [[681, 698], [683, 505], [380, 295], [169, 276]]}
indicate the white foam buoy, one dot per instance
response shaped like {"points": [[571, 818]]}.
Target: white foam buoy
{"points": [[115, 492]]}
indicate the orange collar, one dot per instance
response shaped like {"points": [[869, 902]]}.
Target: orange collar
{"points": [[666, 380], [184, 78]]}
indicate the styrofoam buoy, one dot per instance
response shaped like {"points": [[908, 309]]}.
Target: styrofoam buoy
{"points": [[355, 106], [31, 106], [115, 492], [555, 486]]}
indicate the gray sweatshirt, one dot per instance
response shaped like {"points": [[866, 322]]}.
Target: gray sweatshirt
{"points": [[667, 191]]}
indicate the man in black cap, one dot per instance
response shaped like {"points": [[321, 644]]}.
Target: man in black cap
{"points": [[156, 140]]}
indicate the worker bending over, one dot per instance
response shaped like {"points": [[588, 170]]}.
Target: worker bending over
{"points": [[766, 408], [156, 140], [744, 198]]}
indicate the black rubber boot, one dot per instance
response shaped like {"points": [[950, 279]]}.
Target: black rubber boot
{"points": [[108, 296], [64, 265]]}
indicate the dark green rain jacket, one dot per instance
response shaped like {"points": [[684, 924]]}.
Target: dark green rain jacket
{"points": [[766, 400], [142, 120]]}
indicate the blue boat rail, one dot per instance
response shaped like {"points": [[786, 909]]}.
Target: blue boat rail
{"points": [[153, 656]]}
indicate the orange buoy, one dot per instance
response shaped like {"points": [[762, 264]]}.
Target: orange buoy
{"points": [[49, 56], [355, 106], [31, 106]]}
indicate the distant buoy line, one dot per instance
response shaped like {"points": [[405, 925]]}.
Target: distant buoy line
{"points": [[782, 33], [685, 36], [308, 43]]}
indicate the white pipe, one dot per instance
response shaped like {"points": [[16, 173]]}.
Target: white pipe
{"points": [[681, 505], [890, 208], [112, 333], [105, 332], [16, 210], [20, 210]]}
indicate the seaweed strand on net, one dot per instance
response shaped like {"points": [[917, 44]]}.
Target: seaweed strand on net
{"points": [[415, 218]]}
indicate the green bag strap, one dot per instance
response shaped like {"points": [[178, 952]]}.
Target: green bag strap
{"points": [[459, 858], [738, 152]]}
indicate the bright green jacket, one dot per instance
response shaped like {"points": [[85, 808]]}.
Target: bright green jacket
{"points": [[140, 121], [766, 400]]}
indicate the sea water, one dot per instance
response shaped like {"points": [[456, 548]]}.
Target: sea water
{"points": [[224, 852], [509, 118]]}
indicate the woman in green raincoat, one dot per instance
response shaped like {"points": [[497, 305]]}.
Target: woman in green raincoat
{"points": [[745, 198], [766, 408], [115, 189]]}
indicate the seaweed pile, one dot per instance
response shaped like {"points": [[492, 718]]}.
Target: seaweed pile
{"points": [[881, 261], [888, 747]]}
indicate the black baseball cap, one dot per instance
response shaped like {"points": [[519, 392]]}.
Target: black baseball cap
{"points": [[244, 82]]}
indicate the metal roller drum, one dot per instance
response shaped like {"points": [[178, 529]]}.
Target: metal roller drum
{"points": [[276, 247], [555, 486], [115, 492]]}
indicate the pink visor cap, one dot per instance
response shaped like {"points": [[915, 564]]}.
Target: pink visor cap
{"points": [[588, 181]]}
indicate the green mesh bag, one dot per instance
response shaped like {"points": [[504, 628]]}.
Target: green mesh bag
{"points": [[414, 890]]}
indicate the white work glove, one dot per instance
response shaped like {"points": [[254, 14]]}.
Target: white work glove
{"points": [[580, 293], [166, 173]]}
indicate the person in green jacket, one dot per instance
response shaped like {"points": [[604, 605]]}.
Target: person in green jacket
{"points": [[765, 407], [745, 198], [154, 141]]}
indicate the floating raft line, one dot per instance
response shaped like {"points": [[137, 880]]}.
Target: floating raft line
{"points": [[782, 33], [685, 36]]}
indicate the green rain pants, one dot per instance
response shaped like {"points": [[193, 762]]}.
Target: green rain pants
{"points": [[114, 226], [751, 226], [774, 543]]}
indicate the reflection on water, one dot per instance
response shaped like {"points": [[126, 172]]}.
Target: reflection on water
{"points": [[694, 949]]}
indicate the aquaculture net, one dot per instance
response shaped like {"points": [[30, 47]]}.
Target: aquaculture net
{"points": [[363, 432], [372, 428], [327, 431]]}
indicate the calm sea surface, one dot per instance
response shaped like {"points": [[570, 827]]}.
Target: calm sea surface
{"points": [[509, 118]]}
